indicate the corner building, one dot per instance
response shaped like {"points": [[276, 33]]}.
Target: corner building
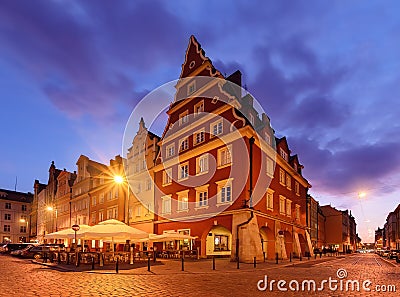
{"points": [[222, 175]]}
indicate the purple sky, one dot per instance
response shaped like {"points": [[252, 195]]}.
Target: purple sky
{"points": [[326, 73]]}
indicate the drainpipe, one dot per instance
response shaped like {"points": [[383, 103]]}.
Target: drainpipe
{"points": [[251, 142]]}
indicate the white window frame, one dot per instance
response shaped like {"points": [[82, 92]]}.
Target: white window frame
{"points": [[284, 154], [282, 205], [288, 181], [200, 194], [191, 87], [282, 177], [227, 160], [218, 131], [183, 201], [297, 212], [267, 138], [184, 141], [196, 134], [270, 199], [223, 186], [170, 150], [166, 204], [202, 164], [167, 177], [180, 167], [251, 119], [269, 163], [184, 118], [297, 187], [288, 207], [196, 107]]}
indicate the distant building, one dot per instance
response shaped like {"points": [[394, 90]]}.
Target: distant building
{"points": [[15, 208], [391, 230], [340, 229], [379, 238], [315, 220]]}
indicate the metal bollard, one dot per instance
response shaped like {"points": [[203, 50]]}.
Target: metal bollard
{"points": [[67, 258], [315, 256], [290, 257], [183, 263], [264, 256], [276, 258], [77, 260], [154, 256], [116, 265], [148, 263], [320, 254], [301, 257], [92, 262], [213, 262], [254, 262], [238, 261], [58, 258], [308, 255]]}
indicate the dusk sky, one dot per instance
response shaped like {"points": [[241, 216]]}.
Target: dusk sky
{"points": [[326, 73]]}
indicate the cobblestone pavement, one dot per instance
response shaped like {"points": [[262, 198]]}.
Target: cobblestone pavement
{"points": [[23, 278]]}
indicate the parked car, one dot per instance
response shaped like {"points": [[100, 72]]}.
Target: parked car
{"points": [[393, 254], [39, 251], [19, 252], [9, 247], [385, 253]]}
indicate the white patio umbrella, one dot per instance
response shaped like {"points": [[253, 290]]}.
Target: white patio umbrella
{"points": [[68, 233], [169, 236], [114, 231]]}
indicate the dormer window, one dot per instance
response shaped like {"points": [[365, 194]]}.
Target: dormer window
{"points": [[198, 108], [295, 167], [284, 154], [183, 118], [251, 119], [191, 88]]}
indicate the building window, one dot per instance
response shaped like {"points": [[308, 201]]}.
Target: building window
{"points": [[167, 176], [297, 212], [184, 171], [202, 164], [270, 167], [183, 200], [270, 199], [198, 137], [170, 150], [221, 243], [22, 229], [24, 218], [148, 184], [198, 108], [282, 204], [288, 182], [23, 207], [112, 213], [94, 200], [191, 88], [184, 144], [101, 198], [267, 138], [166, 204], [7, 228], [7, 216], [224, 191], [251, 119], [101, 215], [297, 188], [138, 210], [284, 154], [216, 128], [225, 156], [101, 181], [202, 196], [183, 118], [109, 197], [282, 178], [8, 205], [288, 207], [93, 218]]}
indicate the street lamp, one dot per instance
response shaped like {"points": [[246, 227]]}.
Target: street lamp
{"points": [[27, 230], [118, 179], [50, 208]]}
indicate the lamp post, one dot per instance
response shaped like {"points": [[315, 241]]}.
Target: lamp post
{"points": [[50, 208], [120, 180], [75, 228]]}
